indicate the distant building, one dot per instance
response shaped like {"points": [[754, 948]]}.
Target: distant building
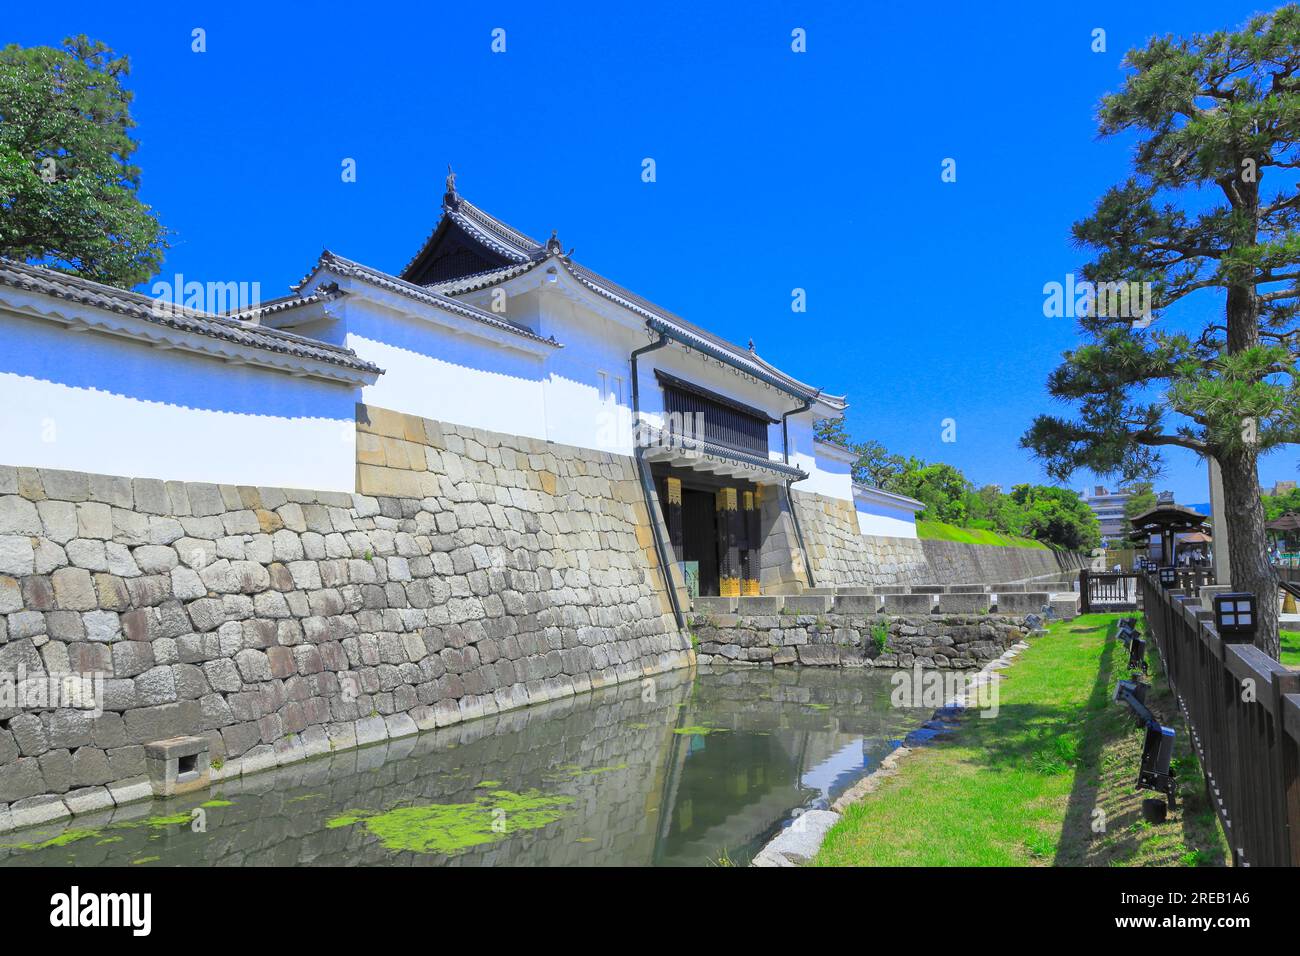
{"points": [[1108, 506], [1281, 488]]}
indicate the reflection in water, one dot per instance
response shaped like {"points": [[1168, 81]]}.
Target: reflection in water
{"points": [[713, 764]]}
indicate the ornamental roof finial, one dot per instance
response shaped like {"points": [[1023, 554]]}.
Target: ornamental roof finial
{"points": [[553, 244], [450, 195], [751, 345]]}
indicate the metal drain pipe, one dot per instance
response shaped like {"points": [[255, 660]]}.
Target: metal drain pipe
{"points": [[789, 496], [647, 483]]}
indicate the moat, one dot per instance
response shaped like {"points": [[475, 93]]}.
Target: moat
{"points": [[699, 767]]}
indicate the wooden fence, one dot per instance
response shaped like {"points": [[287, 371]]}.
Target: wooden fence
{"points": [[1101, 591], [1107, 591], [1243, 708]]}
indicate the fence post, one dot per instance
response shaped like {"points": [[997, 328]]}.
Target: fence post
{"points": [[1288, 767], [1085, 607]]}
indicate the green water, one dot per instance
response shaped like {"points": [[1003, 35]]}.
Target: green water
{"points": [[681, 772]]}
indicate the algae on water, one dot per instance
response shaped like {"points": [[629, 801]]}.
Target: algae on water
{"points": [[451, 828]]}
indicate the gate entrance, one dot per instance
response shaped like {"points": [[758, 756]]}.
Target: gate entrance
{"points": [[713, 520]]}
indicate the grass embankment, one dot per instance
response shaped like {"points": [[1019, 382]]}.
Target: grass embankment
{"points": [[939, 531], [1023, 788], [1290, 655]]}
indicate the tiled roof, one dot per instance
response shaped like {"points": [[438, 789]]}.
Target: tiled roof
{"points": [[701, 339], [871, 491], [482, 280], [505, 239], [526, 252], [657, 439], [225, 328], [338, 265], [286, 303], [488, 231]]}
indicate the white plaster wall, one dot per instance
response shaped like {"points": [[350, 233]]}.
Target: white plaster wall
{"points": [[875, 518], [115, 406], [827, 476], [445, 375], [576, 412]]}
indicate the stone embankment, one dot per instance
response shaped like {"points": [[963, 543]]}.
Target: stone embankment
{"points": [[280, 624], [842, 557], [849, 640]]}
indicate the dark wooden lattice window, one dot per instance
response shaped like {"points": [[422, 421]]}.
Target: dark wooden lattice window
{"points": [[693, 409]]}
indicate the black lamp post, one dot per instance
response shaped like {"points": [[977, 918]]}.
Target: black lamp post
{"points": [[1235, 617]]}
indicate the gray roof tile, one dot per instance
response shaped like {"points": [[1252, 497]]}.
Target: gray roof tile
{"points": [[231, 329]]}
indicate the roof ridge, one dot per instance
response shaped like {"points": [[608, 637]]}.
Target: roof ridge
{"points": [[503, 239], [422, 293], [181, 318]]}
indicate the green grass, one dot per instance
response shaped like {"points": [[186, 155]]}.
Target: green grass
{"points": [[939, 531], [1291, 648], [1023, 788]]}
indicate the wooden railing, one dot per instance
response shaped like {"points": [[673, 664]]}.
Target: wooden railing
{"points": [[1243, 708], [1107, 591]]}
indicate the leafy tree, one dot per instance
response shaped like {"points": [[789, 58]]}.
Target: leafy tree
{"points": [[68, 190], [1058, 517], [1142, 498], [1214, 115], [943, 490], [875, 466], [832, 430], [1275, 506]]}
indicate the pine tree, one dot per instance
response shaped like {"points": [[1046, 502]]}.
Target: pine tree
{"points": [[1211, 212]]}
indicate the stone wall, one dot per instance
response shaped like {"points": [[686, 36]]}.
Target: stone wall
{"points": [[473, 573], [281, 818], [842, 557], [836, 549], [897, 561], [946, 641], [781, 567], [952, 562]]}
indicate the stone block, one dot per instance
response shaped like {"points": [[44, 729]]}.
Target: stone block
{"points": [[819, 655], [1066, 606], [18, 516], [102, 626], [88, 800], [807, 603], [714, 605], [752, 606], [35, 811], [1021, 602], [964, 603], [908, 604], [16, 555], [177, 765], [857, 605]]}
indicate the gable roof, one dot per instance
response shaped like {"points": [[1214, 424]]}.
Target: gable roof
{"points": [[504, 252], [337, 265], [244, 332]]}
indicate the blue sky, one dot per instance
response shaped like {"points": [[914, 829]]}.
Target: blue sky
{"points": [[775, 170]]}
